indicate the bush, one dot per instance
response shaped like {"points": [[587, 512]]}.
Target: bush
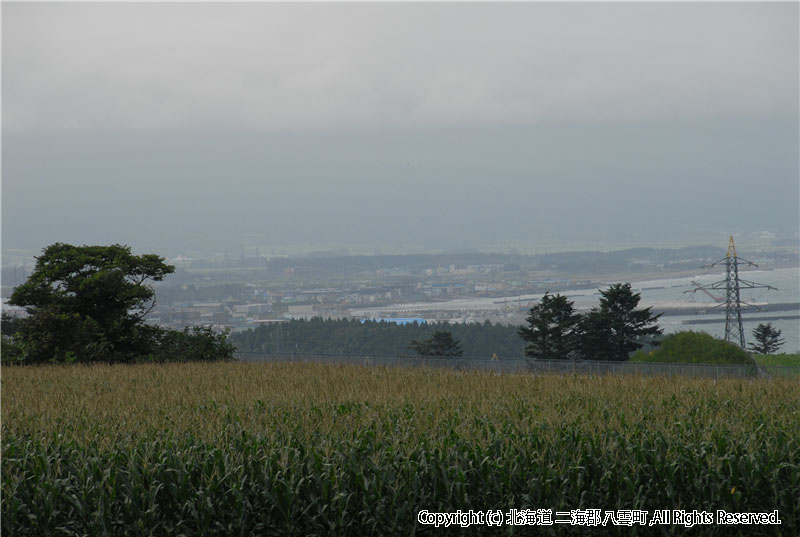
{"points": [[10, 353], [694, 348], [188, 345], [200, 343]]}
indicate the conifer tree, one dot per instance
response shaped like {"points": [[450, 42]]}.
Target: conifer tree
{"points": [[551, 331], [616, 328], [441, 343], [768, 339]]}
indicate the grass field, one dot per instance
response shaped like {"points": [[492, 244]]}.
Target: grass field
{"points": [[311, 449], [778, 359]]}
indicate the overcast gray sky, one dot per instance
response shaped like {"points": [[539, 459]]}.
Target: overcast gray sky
{"points": [[200, 127]]}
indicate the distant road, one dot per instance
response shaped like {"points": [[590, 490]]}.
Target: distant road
{"points": [[749, 319], [765, 306]]}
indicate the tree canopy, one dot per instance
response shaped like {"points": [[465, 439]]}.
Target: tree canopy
{"points": [[551, 331], [105, 282], [768, 339], [441, 343], [617, 327], [87, 303]]}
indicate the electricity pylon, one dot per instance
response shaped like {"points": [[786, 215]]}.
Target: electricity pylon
{"points": [[733, 285]]}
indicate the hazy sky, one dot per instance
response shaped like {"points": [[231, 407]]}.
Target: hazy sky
{"points": [[201, 127]]}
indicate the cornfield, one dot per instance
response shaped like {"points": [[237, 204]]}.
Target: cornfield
{"points": [[315, 449]]}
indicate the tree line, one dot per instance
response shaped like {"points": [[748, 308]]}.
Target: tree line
{"points": [[351, 336], [555, 331]]}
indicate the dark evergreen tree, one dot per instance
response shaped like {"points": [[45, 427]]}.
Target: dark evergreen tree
{"points": [[616, 328], [593, 336], [441, 343], [551, 329], [768, 339]]}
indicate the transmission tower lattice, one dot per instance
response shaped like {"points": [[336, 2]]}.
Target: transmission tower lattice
{"points": [[733, 286]]}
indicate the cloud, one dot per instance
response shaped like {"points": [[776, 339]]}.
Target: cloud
{"points": [[396, 124], [275, 67]]}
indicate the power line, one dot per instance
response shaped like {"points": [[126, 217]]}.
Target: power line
{"points": [[732, 285]]}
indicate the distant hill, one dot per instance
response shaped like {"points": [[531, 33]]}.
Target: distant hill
{"points": [[335, 261]]}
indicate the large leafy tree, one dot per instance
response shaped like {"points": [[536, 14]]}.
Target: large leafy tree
{"points": [[551, 330], [88, 303], [441, 343], [617, 327], [768, 339]]}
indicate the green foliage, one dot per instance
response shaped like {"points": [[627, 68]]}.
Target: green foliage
{"points": [[694, 348], [305, 449], [10, 351], [9, 325], [349, 336], [441, 343], [781, 360], [768, 339], [200, 343], [610, 332], [551, 331], [617, 327], [92, 281], [87, 303]]}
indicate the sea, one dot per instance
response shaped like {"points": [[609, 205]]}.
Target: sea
{"points": [[786, 284], [661, 294]]}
